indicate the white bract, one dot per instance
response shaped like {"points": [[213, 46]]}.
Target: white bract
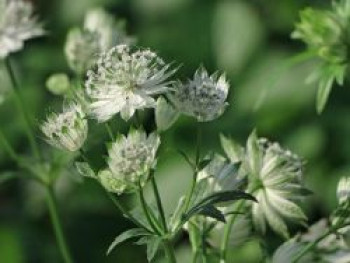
{"points": [[100, 33], [274, 176], [203, 98], [343, 190], [67, 130], [17, 24], [130, 160], [125, 81]]}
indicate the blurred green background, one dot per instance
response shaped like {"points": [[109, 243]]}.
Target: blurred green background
{"points": [[250, 41]]}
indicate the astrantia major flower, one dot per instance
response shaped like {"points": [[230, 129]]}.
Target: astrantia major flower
{"points": [[100, 33], [343, 190], [67, 130], [17, 24], [203, 97], [125, 81], [274, 177], [130, 159]]}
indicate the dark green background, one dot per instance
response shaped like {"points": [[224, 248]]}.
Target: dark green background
{"points": [[250, 41]]}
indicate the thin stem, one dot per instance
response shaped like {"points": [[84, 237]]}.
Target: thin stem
{"points": [[51, 202], [227, 232], [8, 148], [125, 212], [203, 245], [194, 256], [195, 170], [147, 213], [23, 112], [169, 251], [109, 131], [159, 202]]}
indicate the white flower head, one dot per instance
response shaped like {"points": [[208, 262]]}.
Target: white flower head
{"points": [[274, 178], [203, 97], [17, 24], [100, 33], [67, 130], [125, 81], [130, 159], [343, 190], [81, 49]]}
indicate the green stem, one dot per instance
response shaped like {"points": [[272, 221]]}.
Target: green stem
{"points": [[109, 131], [145, 208], [51, 202], [159, 202], [227, 232], [195, 170], [125, 212], [8, 148], [23, 112], [169, 251]]}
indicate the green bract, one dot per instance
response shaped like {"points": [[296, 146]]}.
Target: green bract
{"points": [[326, 34], [130, 159]]}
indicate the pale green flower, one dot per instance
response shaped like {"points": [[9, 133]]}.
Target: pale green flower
{"points": [[125, 81], [203, 97], [100, 33], [274, 178], [17, 24], [130, 160], [67, 130]]}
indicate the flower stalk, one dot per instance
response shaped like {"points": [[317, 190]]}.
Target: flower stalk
{"points": [[52, 205]]}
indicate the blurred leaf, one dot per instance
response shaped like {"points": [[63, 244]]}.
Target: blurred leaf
{"points": [[85, 170], [7, 176], [237, 34]]}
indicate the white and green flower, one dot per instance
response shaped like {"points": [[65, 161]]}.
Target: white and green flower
{"points": [[124, 81], [274, 178], [203, 97], [130, 159], [17, 24], [67, 130], [100, 33]]}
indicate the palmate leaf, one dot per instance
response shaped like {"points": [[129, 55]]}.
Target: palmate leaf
{"points": [[134, 232], [206, 205]]}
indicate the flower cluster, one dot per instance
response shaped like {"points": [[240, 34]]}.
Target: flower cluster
{"points": [[130, 160], [203, 97], [17, 24], [125, 81], [67, 130]]}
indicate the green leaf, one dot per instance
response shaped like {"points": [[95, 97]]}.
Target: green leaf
{"points": [[214, 199], [152, 243], [203, 163], [213, 212], [125, 236]]}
